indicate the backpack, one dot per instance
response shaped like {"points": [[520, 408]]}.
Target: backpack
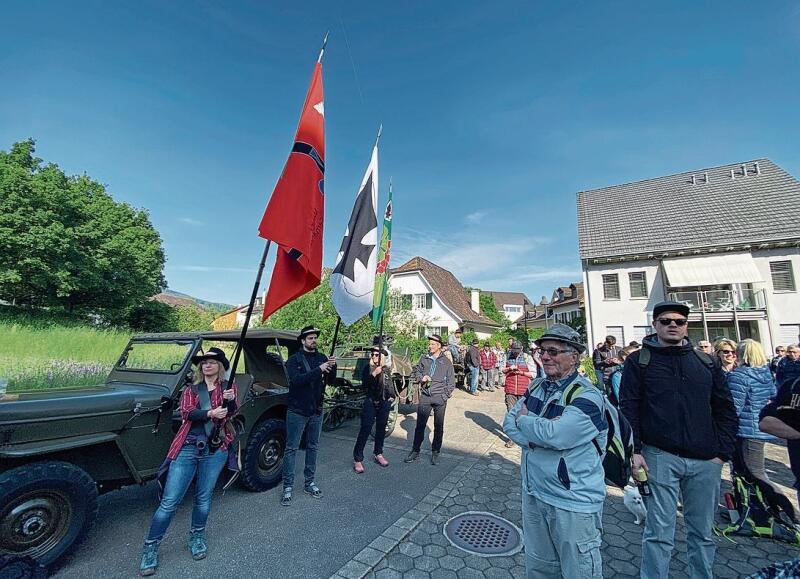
{"points": [[619, 442]]}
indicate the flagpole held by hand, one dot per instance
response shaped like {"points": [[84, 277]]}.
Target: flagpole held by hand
{"points": [[336, 334]]}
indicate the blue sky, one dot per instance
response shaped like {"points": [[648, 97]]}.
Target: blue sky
{"points": [[494, 115]]}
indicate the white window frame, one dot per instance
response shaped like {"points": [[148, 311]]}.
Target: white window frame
{"points": [[611, 277], [633, 283], [788, 271]]}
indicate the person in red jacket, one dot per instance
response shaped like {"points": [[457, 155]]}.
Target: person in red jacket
{"points": [[519, 370], [487, 361]]}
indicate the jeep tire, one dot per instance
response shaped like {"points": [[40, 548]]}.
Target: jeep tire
{"points": [[45, 509], [262, 463]]}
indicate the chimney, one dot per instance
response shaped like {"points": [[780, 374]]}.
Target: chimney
{"points": [[694, 182], [705, 177], [758, 169], [475, 301], [732, 175], [744, 170]]}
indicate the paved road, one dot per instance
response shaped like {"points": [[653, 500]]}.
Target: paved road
{"points": [[312, 538]]}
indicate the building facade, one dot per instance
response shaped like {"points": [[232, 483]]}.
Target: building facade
{"points": [[722, 240]]}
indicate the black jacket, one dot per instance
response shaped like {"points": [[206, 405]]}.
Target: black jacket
{"points": [[473, 357], [378, 387], [306, 389], [678, 404]]}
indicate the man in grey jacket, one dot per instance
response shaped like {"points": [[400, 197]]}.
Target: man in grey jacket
{"points": [[561, 426], [436, 378]]}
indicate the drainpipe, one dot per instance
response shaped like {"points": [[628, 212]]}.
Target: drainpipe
{"points": [[702, 299], [587, 306], [736, 316]]}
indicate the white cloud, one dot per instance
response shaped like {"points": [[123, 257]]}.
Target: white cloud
{"points": [[190, 221], [475, 217]]}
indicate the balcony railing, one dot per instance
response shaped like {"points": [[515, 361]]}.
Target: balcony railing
{"points": [[721, 300]]}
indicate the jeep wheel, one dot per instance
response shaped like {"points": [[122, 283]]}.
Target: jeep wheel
{"points": [[45, 509], [262, 463], [392, 419]]}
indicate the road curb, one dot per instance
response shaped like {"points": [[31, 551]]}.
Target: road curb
{"points": [[368, 558]]}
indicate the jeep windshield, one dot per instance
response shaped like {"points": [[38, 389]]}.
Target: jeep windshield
{"points": [[155, 356]]}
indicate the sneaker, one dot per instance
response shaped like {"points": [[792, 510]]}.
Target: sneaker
{"points": [[313, 490], [358, 466], [412, 456], [381, 460], [197, 544], [434, 457], [286, 499], [149, 561]]}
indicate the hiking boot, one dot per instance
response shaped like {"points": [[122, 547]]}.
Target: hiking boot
{"points": [[286, 499], [313, 490], [149, 561], [412, 456], [435, 457], [197, 544]]}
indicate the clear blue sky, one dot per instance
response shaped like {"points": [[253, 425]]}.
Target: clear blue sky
{"points": [[494, 114]]}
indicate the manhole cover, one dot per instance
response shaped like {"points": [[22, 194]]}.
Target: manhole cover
{"points": [[483, 534]]}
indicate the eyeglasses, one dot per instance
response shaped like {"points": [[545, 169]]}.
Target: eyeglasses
{"points": [[680, 322], [552, 352], [376, 355], [727, 352]]}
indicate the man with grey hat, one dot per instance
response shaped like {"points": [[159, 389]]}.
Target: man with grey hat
{"points": [[437, 380], [561, 426], [684, 424], [308, 369]]}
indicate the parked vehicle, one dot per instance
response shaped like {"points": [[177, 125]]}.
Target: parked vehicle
{"points": [[60, 449]]}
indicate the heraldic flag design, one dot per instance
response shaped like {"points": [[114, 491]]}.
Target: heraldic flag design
{"points": [[295, 212], [382, 269], [353, 278]]}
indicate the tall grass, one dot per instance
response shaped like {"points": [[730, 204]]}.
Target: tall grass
{"points": [[38, 355]]}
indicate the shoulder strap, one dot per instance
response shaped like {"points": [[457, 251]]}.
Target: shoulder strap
{"points": [[205, 404], [305, 361], [644, 358], [571, 392], [704, 358]]}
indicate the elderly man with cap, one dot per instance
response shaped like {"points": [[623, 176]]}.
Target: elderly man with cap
{"points": [[684, 428], [560, 425], [436, 378], [307, 369]]}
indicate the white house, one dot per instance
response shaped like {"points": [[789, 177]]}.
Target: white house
{"points": [[723, 240], [519, 310], [437, 300]]}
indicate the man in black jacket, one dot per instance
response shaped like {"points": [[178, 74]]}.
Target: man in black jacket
{"points": [[684, 428], [307, 369]]}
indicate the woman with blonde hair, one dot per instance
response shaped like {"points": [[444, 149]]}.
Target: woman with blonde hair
{"points": [[752, 386], [726, 352], [380, 394]]}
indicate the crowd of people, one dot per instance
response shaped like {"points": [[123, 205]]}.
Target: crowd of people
{"points": [[690, 409]]}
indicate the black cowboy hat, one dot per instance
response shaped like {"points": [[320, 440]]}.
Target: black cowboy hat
{"points": [[436, 338], [212, 354], [307, 331], [383, 351]]}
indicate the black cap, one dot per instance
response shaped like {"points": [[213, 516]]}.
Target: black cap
{"points": [[475, 342], [383, 351], [436, 338], [670, 306], [212, 354]]}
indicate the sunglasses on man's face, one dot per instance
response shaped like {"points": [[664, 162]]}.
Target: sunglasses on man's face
{"points": [[727, 352], [680, 322]]}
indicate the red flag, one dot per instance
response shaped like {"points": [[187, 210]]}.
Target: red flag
{"points": [[294, 215]]}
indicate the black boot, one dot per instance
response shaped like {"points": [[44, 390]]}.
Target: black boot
{"points": [[435, 457], [412, 456]]}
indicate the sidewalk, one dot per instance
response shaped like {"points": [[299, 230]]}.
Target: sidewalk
{"points": [[414, 546]]}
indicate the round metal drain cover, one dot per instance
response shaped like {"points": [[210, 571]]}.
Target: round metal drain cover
{"points": [[483, 534]]}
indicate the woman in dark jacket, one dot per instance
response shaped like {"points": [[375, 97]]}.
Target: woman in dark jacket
{"points": [[199, 450], [752, 388], [377, 380]]}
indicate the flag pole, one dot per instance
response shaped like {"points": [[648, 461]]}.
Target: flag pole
{"points": [[324, 43], [249, 314], [336, 333]]}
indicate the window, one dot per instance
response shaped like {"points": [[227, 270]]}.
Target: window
{"points": [[610, 286], [618, 332], [638, 283], [782, 276], [422, 331], [401, 302], [423, 301], [639, 332], [512, 309]]}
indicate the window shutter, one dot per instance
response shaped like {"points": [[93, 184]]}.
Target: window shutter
{"points": [[782, 276], [428, 301]]}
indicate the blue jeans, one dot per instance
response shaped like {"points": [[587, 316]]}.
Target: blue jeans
{"points": [[190, 462], [372, 413], [698, 482], [473, 379], [295, 425]]}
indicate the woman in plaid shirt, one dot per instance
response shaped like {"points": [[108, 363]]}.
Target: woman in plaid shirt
{"points": [[205, 407]]}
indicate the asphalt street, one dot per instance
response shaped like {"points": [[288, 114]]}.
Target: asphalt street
{"points": [[250, 534]]}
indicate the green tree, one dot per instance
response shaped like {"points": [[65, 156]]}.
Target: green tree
{"points": [[190, 318], [65, 242]]}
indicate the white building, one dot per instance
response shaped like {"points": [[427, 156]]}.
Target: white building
{"points": [[437, 300], [519, 310], [723, 240], [566, 305]]}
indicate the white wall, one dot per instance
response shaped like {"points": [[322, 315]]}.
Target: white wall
{"points": [[626, 312], [414, 283], [783, 307]]}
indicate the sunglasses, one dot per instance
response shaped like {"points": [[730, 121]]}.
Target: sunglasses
{"points": [[727, 352], [680, 322], [552, 352]]}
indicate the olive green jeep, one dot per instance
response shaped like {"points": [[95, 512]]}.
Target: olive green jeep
{"points": [[60, 449]]}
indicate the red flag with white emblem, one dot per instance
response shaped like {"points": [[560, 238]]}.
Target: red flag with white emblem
{"points": [[294, 215]]}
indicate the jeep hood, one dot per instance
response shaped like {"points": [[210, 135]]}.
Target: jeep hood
{"points": [[62, 413]]}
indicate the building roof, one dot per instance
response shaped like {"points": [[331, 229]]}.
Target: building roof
{"points": [[568, 298], [509, 298], [447, 287], [712, 208], [175, 301]]}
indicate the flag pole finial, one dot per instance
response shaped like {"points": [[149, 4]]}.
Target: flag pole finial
{"points": [[378, 138], [324, 43]]}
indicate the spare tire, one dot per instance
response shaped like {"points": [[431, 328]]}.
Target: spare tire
{"points": [[262, 463], [46, 508]]}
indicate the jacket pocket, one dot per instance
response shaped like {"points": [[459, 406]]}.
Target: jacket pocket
{"points": [[563, 475]]}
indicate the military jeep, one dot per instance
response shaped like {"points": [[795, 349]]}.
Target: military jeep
{"points": [[60, 449]]}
